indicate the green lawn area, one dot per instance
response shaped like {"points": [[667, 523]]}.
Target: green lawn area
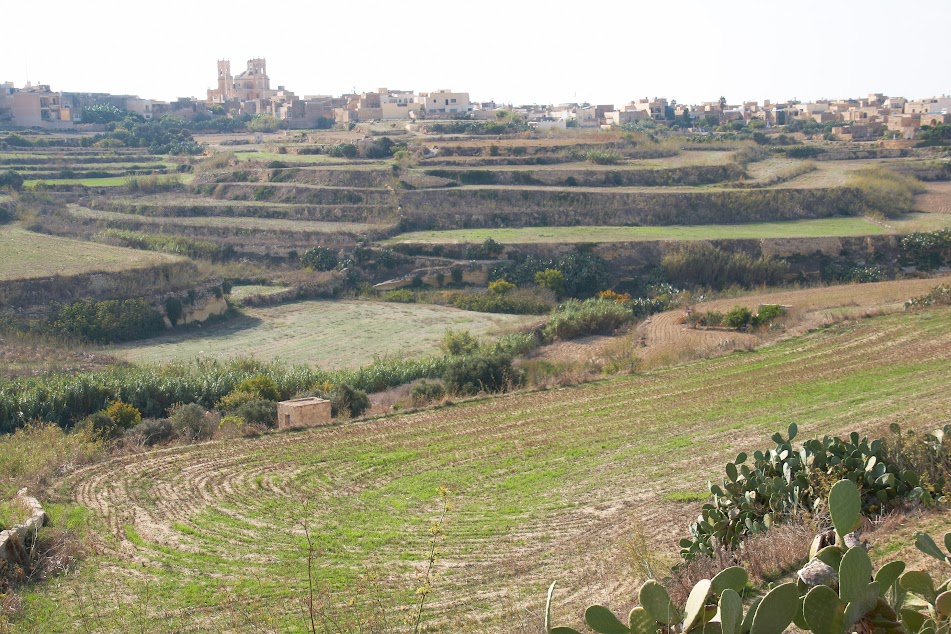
{"points": [[823, 227], [26, 255], [549, 485], [328, 334]]}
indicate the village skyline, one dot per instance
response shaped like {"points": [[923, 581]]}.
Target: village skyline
{"points": [[520, 55]]}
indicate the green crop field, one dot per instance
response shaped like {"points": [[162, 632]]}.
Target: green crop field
{"points": [[26, 255], [261, 224], [327, 334], [546, 486], [825, 227]]}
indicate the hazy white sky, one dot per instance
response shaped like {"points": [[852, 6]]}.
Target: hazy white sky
{"points": [[517, 51]]}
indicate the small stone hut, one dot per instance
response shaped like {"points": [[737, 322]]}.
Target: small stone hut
{"points": [[303, 412]]}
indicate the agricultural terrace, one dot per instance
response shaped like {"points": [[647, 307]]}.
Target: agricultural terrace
{"points": [[248, 224], [824, 227], [936, 199], [328, 334], [546, 486], [29, 255]]}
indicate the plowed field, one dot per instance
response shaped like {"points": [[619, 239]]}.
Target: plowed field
{"points": [[548, 485]]}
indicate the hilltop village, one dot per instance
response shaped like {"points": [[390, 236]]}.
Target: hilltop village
{"points": [[249, 93]]}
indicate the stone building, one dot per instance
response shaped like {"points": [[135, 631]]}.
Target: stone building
{"points": [[303, 412]]}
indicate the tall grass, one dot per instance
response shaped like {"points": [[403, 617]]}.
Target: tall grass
{"points": [[66, 399], [886, 191]]}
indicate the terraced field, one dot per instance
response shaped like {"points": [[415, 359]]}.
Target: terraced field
{"points": [[328, 334], [824, 227], [547, 485], [29, 255], [936, 199], [247, 224]]}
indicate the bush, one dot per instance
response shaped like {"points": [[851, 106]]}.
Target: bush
{"points": [[320, 259], [105, 322], [767, 313], [577, 318], [257, 412], [603, 157], [173, 309], [401, 295], [261, 386], [501, 287], [456, 343], [192, 422], [426, 392], [553, 280], [347, 400], [926, 251], [234, 400], [123, 415], [472, 374], [12, 180], [518, 302], [152, 431], [738, 318], [100, 425], [584, 272]]}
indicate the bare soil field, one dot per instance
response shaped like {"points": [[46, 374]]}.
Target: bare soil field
{"points": [[936, 199], [546, 486]]}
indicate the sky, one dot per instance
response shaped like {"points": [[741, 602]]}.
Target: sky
{"points": [[510, 52]]}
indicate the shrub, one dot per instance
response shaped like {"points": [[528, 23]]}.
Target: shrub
{"points": [[401, 295], [320, 259], [257, 412], [456, 343], [153, 431], [261, 386], [105, 322], [577, 318], [426, 392], [584, 272], [234, 400], [738, 318], [472, 374], [926, 251], [518, 302], [12, 180], [710, 318], [603, 157], [192, 422], [123, 415], [501, 287], [347, 400], [767, 313], [173, 309], [100, 425], [553, 280]]}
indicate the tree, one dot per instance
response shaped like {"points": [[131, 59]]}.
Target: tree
{"points": [[686, 117], [755, 124], [722, 102]]}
